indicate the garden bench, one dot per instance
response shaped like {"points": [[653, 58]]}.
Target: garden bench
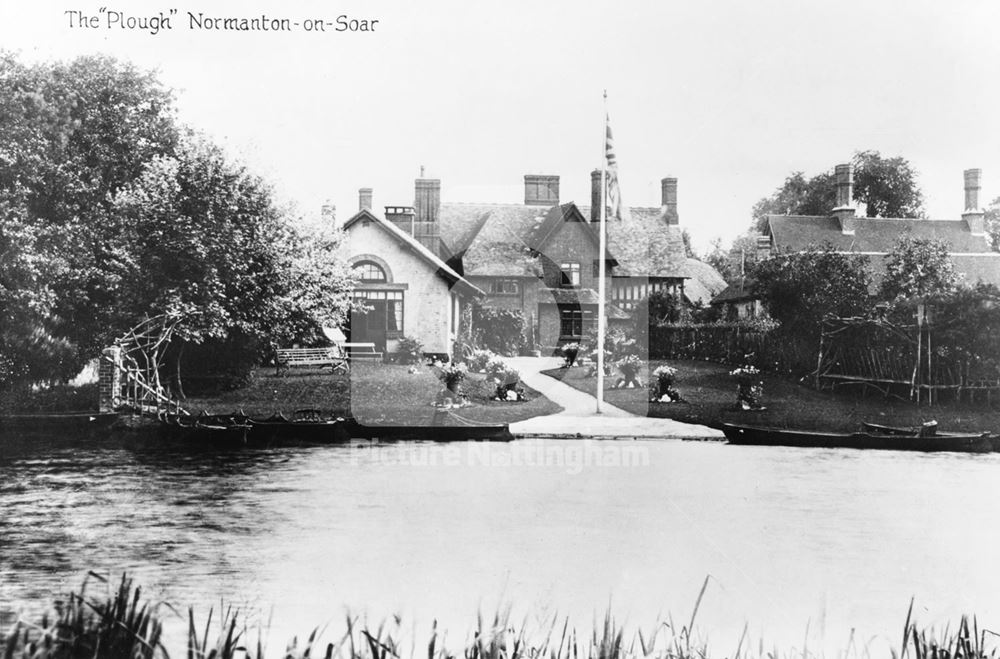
{"points": [[289, 357], [364, 351]]}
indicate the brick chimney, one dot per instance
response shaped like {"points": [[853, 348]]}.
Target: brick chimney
{"points": [[427, 207], [974, 216], [668, 190], [401, 216], [541, 190], [845, 199], [595, 195], [364, 199]]}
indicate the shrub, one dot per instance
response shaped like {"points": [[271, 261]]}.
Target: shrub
{"points": [[410, 350], [478, 359], [570, 352], [499, 330]]}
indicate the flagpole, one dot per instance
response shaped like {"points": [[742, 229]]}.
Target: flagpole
{"points": [[601, 264]]}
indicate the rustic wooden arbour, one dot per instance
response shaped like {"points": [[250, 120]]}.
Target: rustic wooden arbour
{"points": [[142, 349], [892, 358]]}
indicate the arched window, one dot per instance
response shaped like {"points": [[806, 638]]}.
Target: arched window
{"points": [[369, 271]]}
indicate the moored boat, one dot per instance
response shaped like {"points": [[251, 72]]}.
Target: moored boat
{"points": [[955, 442]]}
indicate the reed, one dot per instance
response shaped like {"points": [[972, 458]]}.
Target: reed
{"points": [[123, 625]]}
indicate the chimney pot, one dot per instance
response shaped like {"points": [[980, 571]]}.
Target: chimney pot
{"points": [[972, 187], [668, 190], [541, 190], [974, 216], [364, 199], [845, 211]]}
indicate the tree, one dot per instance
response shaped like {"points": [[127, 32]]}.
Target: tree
{"points": [[111, 211], [886, 186], [993, 224], [733, 263], [800, 289], [917, 268]]}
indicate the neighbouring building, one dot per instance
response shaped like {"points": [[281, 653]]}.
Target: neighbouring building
{"points": [[875, 237], [540, 257]]}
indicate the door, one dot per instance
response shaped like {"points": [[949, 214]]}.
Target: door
{"points": [[370, 326]]}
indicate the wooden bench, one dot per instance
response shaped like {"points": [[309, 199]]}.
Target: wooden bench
{"points": [[364, 351], [289, 357]]}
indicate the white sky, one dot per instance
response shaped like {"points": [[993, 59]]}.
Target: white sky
{"points": [[729, 96]]}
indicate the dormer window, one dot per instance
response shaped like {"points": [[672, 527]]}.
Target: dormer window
{"points": [[369, 271], [570, 274]]}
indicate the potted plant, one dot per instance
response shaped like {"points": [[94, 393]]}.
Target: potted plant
{"points": [[506, 379], [663, 390], [629, 366], [749, 387], [570, 352], [452, 375]]}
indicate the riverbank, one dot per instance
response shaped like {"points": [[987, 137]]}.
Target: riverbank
{"points": [[374, 394], [709, 393], [124, 625]]}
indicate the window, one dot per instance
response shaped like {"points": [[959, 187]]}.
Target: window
{"points": [[570, 274], [369, 271], [386, 311], [571, 322], [504, 287]]}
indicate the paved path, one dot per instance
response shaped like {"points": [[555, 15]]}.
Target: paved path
{"points": [[579, 417]]}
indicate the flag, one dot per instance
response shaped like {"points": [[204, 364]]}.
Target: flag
{"points": [[616, 209]]}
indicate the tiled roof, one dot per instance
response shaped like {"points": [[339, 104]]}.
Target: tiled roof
{"points": [[872, 235], [644, 244], [737, 292], [971, 254], [704, 281], [502, 245]]}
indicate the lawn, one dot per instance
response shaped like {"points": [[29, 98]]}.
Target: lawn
{"points": [[710, 393], [375, 394]]}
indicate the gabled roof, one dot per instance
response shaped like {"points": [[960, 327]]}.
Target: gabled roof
{"points": [[441, 268], [740, 291]]}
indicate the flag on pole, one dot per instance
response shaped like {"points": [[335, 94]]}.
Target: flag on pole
{"points": [[616, 208]]}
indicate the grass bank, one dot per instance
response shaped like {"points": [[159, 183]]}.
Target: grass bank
{"points": [[710, 393], [122, 624], [385, 394]]}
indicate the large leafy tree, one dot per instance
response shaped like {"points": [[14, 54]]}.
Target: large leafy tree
{"points": [[800, 289], [886, 186], [918, 268], [111, 211]]}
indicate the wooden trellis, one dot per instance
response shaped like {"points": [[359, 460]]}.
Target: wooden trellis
{"points": [[140, 356], [897, 359]]}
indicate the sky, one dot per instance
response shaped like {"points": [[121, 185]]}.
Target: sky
{"points": [[728, 96]]}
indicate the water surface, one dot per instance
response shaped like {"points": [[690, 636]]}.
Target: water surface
{"points": [[796, 541]]}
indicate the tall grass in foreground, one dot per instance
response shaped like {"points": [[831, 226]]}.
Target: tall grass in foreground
{"points": [[122, 625]]}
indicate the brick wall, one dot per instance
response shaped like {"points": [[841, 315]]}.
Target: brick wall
{"points": [[109, 382]]}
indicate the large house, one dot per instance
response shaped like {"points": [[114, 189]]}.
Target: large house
{"points": [[540, 257], [875, 237]]}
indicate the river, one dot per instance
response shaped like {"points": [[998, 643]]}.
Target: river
{"points": [[800, 545]]}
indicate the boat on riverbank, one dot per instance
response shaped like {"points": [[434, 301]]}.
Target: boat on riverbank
{"points": [[954, 442], [311, 427]]}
